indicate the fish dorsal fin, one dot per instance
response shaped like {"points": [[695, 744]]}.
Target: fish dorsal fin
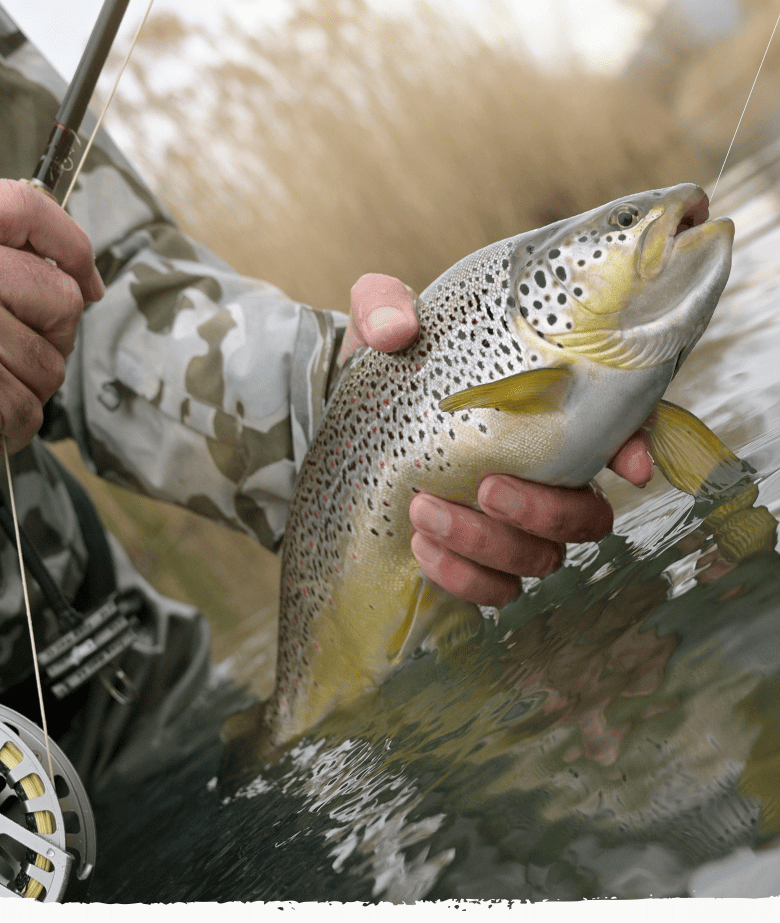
{"points": [[689, 454], [537, 391]]}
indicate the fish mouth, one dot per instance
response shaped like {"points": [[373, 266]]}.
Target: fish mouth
{"points": [[660, 237]]}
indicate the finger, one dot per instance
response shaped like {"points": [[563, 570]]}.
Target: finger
{"points": [[382, 315], [633, 461], [29, 217], [30, 358], [560, 514], [41, 296], [21, 413], [463, 578], [478, 538]]}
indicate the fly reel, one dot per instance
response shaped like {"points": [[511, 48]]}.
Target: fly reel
{"points": [[47, 829]]}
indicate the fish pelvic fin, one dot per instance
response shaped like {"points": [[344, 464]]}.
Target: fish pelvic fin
{"points": [[537, 391], [435, 620], [689, 455]]}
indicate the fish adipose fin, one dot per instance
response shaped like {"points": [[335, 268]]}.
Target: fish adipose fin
{"points": [[539, 391], [689, 455]]}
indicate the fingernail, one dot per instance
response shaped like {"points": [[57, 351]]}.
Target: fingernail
{"points": [[386, 322], [505, 498], [431, 517], [96, 287], [425, 551]]}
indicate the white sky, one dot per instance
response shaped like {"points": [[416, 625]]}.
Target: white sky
{"points": [[603, 32]]}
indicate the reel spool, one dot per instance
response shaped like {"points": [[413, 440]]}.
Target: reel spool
{"points": [[47, 829]]}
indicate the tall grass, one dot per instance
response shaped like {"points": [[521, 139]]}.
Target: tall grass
{"points": [[348, 141]]}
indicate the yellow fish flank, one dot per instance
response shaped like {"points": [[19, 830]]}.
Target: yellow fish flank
{"points": [[538, 356]]}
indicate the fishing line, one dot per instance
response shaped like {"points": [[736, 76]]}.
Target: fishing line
{"points": [[744, 110], [102, 115], [27, 605]]}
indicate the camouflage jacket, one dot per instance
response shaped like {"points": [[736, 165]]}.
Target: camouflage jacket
{"points": [[189, 382]]}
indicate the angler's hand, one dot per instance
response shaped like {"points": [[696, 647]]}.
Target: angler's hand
{"points": [[40, 304], [481, 556]]}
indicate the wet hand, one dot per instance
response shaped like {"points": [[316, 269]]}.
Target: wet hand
{"points": [[521, 529], [40, 304]]}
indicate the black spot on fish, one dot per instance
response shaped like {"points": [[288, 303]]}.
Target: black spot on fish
{"points": [[597, 253], [505, 264], [488, 277], [580, 262], [554, 253], [609, 239], [568, 326], [621, 236], [524, 289], [462, 284], [582, 240], [524, 311], [530, 248], [551, 319], [510, 301], [560, 272], [561, 299], [578, 291], [538, 305]]}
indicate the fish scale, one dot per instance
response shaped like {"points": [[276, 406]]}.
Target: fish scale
{"points": [[353, 601]]}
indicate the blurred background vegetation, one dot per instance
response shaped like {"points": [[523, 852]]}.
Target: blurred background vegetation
{"points": [[351, 141]]}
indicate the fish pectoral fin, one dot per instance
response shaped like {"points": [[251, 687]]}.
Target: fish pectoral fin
{"points": [[458, 622], [689, 455], [538, 391]]}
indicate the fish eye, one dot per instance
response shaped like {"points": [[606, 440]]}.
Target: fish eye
{"points": [[624, 216]]}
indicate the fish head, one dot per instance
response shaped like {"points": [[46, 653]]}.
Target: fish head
{"points": [[632, 284]]}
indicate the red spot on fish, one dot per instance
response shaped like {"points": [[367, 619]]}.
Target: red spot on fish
{"points": [[361, 458], [416, 465], [297, 682], [316, 646], [418, 366], [352, 400], [373, 429], [348, 444], [349, 507], [306, 592], [381, 464], [368, 394], [354, 555], [311, 544], [386, 402], [325, 497]]}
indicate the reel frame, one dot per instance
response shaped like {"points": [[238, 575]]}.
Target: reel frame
{"points": [[47, 829]]}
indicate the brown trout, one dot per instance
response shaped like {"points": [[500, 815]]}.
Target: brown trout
{"points": [[538, 356]]}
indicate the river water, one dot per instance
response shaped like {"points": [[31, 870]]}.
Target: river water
{"points": [[617, 733]]}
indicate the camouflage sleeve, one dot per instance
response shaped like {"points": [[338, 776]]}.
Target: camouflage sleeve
{"points": [[189, 383]]}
